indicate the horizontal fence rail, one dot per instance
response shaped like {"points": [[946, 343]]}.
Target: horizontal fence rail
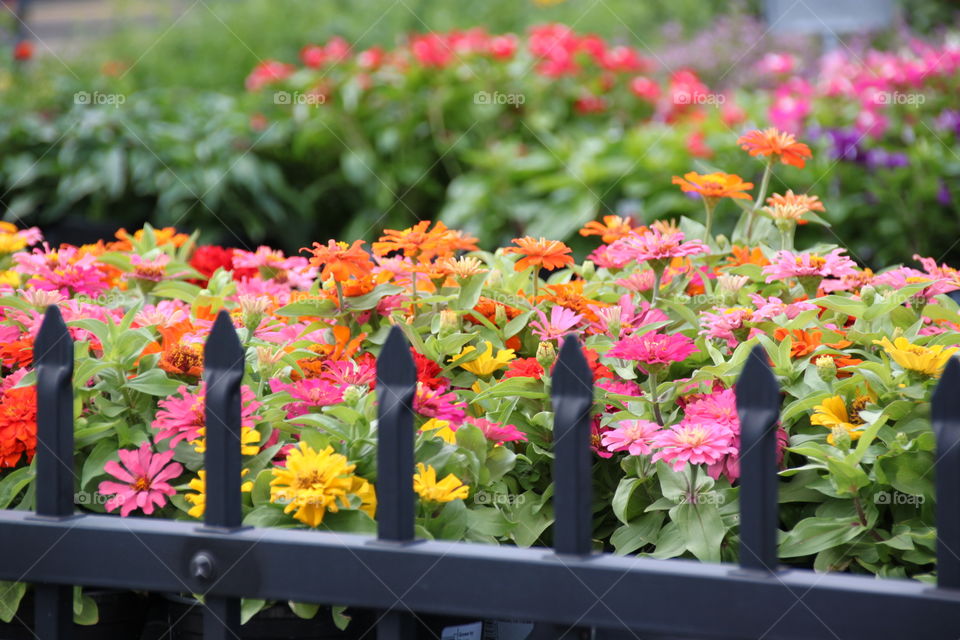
{"points": [[565, 590]]}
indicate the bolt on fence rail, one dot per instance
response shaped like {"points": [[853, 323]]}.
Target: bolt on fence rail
{"points": [[565, 591]]}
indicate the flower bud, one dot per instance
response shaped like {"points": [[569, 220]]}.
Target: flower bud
{"points": [[449, 322], [868, 294], [588, 269], [352, 394], [841, 438], [494, 279], [500, 316], [826, 368], [253, 308], [546, 355]]}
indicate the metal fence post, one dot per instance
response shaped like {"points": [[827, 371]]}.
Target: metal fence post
{"points": [[53, 355], [223, 365], [945, 418], [396, 387], [758, 407], [572, 396]]}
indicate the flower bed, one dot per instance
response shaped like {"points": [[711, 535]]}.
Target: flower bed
{"points": [[667, 315]]}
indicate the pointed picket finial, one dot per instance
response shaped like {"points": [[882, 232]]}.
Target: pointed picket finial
{"points": [[396, 387], [223, 364], [395, 365], [572, 401], [53, 346], [758, 407], [223, 351], [53, 353], [945, 418]]}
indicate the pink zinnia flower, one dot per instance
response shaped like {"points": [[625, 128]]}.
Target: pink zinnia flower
{"points": [[654, 349], [143, 480], [434, 403], [181, 418], [625, 316], [723, 324], [718, 408], [638, 281], [312, 394], [655, 245], [350, 372], [499, 432], [692, 442], [632, 436], [62, 270], [272, 264], [561, 321], [804, 265], [770, 308], [153, 270]]}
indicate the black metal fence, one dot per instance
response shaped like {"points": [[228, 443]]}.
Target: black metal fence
{"points": [[566, 590]]}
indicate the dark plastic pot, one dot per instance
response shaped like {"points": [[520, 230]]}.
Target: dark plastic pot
{"points": [[122, 617]]}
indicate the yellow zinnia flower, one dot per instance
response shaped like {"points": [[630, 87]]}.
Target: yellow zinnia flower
{"points": [[927, 360], [199, 499], [249, 441], [486, 363], [833, 413], [440, 429], [11, 278], [315, 482], [426, 485]]}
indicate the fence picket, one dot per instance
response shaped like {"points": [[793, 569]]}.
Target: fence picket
{"points": [[758, 407], [945, 418], [396, 387], [53, 353], [223, 365]]}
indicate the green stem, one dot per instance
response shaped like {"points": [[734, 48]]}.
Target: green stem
{"points": [[536, 284], [761, 195], [656, 287], [413, 292], [652, 380], [339, 286], [786, 237], [709, 206]]}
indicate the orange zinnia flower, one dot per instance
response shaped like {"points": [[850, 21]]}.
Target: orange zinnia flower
{"points": [[18, 426], [542, 253], [418, 242], [611, 229], [773, 142], [746, 255], [803, 343], [714, 185], [792, 206], [340, 260], [176, 356], [167, 235]]}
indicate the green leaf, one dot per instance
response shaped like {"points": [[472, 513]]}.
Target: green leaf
{"points": [[370, 300], [637, 533], [311, 308], [154, 382], [304, 610], [250, 607], [813, 535], [13, 484], [176, 289], [11, 593], [702, 529], [625, 506], [85, 610], [470, 292], [93, 465]]}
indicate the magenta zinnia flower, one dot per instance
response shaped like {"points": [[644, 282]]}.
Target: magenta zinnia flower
{"points": [[143, 480], [312, 393], [62, 270], [692, 442], [561, 321], [181, 418], [719, 408], [726, 324], [805, 265], [654, 245], [654, 349], [433, 403], [632, 436], [350, 372], [499, 432]]}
